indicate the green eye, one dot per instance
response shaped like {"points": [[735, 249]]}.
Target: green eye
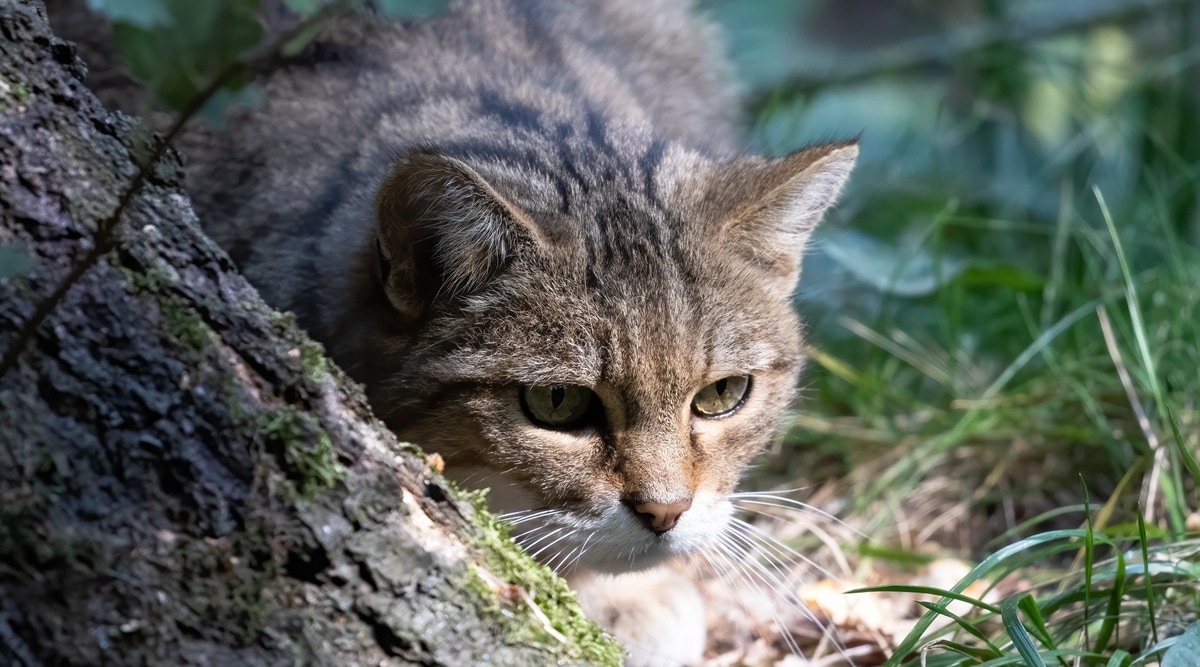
{"points": [[558, 406], [721, 397]]}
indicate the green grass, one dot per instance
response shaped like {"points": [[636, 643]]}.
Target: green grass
{"points": [[1005, 309]]}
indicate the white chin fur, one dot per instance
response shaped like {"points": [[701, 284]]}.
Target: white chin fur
{"points": [[614, 541]]}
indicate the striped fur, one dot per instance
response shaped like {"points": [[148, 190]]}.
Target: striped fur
{"points": [[529, 193]]}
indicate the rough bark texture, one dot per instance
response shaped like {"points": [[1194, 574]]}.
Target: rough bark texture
{"points": [[184, 479]]}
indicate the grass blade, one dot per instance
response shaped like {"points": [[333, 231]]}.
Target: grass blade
{"points": [[1146, 576], [1017, 633], [967, 627]]}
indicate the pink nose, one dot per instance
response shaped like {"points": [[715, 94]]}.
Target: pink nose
{"points": [[661, 517]]}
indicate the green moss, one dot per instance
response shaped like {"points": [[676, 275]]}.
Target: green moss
{"points": [[586, 641], [316, 367], [302, 449], [13, 95], [282, 320], [180, 320], [153, 278], [184, 324]]}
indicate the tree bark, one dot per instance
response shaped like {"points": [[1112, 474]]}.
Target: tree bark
{"points": [[184, 478]]}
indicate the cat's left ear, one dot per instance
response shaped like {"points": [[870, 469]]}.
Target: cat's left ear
{"points": [[768, 209], [443, 231]]}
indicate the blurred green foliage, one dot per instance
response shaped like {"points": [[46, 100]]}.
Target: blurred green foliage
{"points": [[1005, 304], [177, 48], [990, 133], [194, 55]]}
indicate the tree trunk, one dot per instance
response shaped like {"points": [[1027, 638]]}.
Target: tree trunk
{"points": [[184, 478]]}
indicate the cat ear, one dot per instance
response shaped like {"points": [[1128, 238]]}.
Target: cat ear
{"points": [[770, 208], [442, 231]]}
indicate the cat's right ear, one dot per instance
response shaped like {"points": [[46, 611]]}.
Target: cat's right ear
{"points": [[768, 209], [442, 231]]}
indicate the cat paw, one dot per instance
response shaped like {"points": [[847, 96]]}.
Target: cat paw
{"points": [[656, 615]]}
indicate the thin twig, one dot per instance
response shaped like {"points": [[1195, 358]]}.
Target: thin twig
{"points": [[1149, 495], [105, 239]]}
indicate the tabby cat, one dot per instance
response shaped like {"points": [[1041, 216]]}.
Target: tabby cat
{"points": [[526, 227]]}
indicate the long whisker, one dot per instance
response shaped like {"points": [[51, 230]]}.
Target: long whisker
{"points": [[515, 520], [562, 555], [783, 502], [752, 538], [582, 550], [561, 532], [786, 552], [729, 553], [816, 531], [753, 546], [566, 533]]}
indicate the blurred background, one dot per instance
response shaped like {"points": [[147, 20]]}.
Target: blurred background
{"points": [[1011, 282]]}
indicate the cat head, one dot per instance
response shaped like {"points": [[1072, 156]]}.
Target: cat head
{"points": [[603, 334]]}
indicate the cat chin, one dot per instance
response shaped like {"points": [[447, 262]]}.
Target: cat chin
{"points": [[616, 542], [600, 536], [648, 560]]}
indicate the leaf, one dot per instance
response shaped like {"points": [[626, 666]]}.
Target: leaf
{"points": [[199, 42], [994, 274], [887, 268], [141, 13], [218, 106], [1186, 651], [1120, 658], [412, 9], [14, 262], [1035, 547], [1018, 633], [303, 7]]}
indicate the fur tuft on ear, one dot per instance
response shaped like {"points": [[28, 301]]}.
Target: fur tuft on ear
{"points": [[443, 231], [770, 208]]}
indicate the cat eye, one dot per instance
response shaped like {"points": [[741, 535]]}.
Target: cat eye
{"points": [[721, 397], [558, 406]]}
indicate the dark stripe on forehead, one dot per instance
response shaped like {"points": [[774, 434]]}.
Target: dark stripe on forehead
{"points": [[648, 165], [563, 133], [632, 236], [512, 114], [608, 162], [596, 133]]}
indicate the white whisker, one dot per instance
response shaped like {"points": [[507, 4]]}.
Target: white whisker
{"points": [[728, 552], [562, 532], [566, 533], [582, 550], [518, 520], [783, 502], [754, 539], [786, 552]]}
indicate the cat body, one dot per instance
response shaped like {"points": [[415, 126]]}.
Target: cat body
{"points": [[526, 228]]}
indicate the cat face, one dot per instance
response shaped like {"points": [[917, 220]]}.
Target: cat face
{"points": [[606, 351]]}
